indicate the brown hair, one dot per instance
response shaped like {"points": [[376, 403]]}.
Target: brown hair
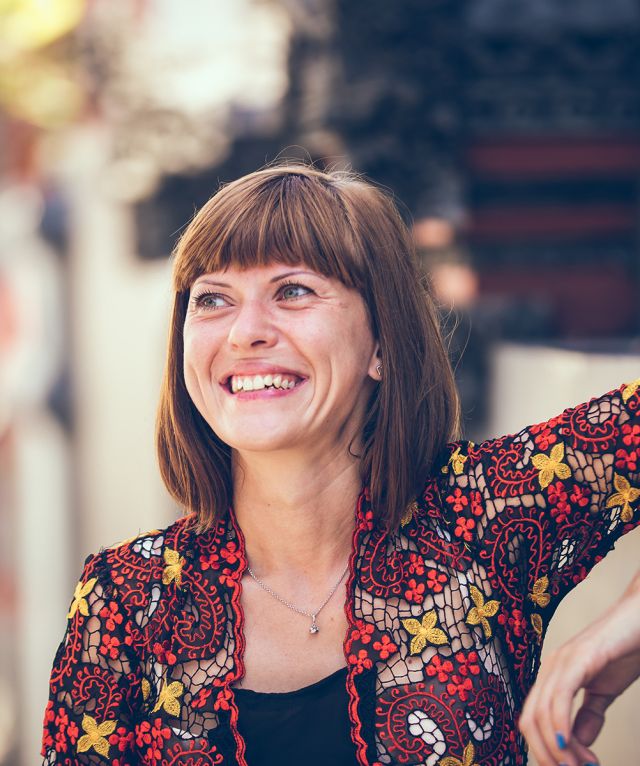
{"points": [[342, 227]]}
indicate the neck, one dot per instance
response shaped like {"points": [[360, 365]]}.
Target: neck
{"points": [[296, 513]]}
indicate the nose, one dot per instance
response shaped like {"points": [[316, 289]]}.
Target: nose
{"points": [[252, 327]]}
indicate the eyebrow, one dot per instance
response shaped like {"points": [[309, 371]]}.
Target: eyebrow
{"points": [[208, 281]]}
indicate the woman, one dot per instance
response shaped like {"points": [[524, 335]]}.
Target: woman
{"points": [[347, 587]]}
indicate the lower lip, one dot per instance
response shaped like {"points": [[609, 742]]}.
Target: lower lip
{"points": [[264, 393]]}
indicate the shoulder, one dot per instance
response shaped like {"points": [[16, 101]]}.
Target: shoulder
{"points": [[133, 571]]}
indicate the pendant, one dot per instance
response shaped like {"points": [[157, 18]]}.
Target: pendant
{"points": [[314, 628]]}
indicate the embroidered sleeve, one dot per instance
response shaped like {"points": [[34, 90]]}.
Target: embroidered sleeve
{"points": [[542, 507], [94, 683]]}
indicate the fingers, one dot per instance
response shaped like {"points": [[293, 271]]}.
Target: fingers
{"points": [[589, 719], [546, 717]]}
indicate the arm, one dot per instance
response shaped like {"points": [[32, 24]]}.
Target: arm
{"points": [[603, 660], [542, 507], [94, 681]]}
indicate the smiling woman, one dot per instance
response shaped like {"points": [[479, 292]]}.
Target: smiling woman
{"points": [[305, 426], [348, 240]]}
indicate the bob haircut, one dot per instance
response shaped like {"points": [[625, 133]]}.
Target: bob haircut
{"points": [[342, 227]]}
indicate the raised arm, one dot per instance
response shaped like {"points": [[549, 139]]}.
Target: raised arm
{"points": [[540, 508]]}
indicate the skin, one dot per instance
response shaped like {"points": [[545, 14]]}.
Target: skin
{"points": [[602, 661], [296, 480]]}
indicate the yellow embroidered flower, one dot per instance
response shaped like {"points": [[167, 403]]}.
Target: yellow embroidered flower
{"points": [[146, 689], [173, 569], [629, 390], [168, 698], [625, 495], [551, 465], [478, 614], [79, 603], [468, 758], [424, 632], [536, 624], [456, 461], [411, 509], [96, 735], [539, 595]]}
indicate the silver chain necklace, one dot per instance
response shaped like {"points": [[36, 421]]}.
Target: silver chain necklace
{"points": [[313, 615]]}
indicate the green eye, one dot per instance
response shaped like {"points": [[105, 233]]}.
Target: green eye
{"points": [[208, 301], [292, 291]]}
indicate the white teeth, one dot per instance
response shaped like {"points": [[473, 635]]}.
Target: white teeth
{"points": [[259, 382]]}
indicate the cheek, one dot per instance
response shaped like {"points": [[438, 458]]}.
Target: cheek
{"points": [[199, 353]]}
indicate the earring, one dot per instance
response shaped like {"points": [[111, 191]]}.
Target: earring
{"points": [[379, 369]]}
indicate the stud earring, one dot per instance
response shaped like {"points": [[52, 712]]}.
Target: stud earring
{"points": [[379, 369]]}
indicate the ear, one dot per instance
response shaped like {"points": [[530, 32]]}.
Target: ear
{"points": [[375, 365]]}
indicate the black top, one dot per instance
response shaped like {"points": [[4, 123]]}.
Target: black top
{"points": [[308, 725]]}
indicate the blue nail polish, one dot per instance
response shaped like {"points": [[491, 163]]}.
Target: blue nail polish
{"points": [[562, 742], [591, 764]]}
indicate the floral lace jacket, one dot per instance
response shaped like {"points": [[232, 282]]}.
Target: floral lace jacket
{"points": [[446, 616]]}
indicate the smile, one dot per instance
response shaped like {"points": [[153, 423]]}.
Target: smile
{"points": [[237, 383]]}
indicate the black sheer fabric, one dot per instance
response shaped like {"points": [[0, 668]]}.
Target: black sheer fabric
{"points": [[309, 725]]}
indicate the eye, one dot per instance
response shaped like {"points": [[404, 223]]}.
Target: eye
{"points": [[292, 290], [208, 301]]}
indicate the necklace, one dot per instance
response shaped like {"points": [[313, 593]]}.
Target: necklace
{"points": [[313, 615]]}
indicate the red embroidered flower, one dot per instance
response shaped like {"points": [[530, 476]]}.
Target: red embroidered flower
{"points": [[73, 732], [477, 508], [558, 497], [230, 553], [361, 661], [545, 439], [164, 654], [49, 715], [459, 686], [110, 646], [580, 496], [436, 580], [626, 460], [416, 564], [464, 527], [200, 699], [440, 669], [61, 742], [122, 739], [111, 615], [468, 664], [385, 647], [210, 561], [362, 632], [415, 592], [152, 735], [62, 719], [227, 578], [458, 499], [222, 700], [631, 435]]}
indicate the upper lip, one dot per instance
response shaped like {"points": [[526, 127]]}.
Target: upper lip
{"points": [[250, 369]]}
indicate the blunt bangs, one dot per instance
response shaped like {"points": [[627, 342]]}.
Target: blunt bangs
{"points": [[266, 218]]}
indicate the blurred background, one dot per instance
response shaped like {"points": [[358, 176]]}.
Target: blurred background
{"points": [[508, 129]]}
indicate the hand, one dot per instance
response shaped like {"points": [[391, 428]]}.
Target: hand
{"points": [[603, 660]]}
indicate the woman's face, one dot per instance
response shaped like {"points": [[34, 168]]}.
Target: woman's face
{"points": [[279, 357]]}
